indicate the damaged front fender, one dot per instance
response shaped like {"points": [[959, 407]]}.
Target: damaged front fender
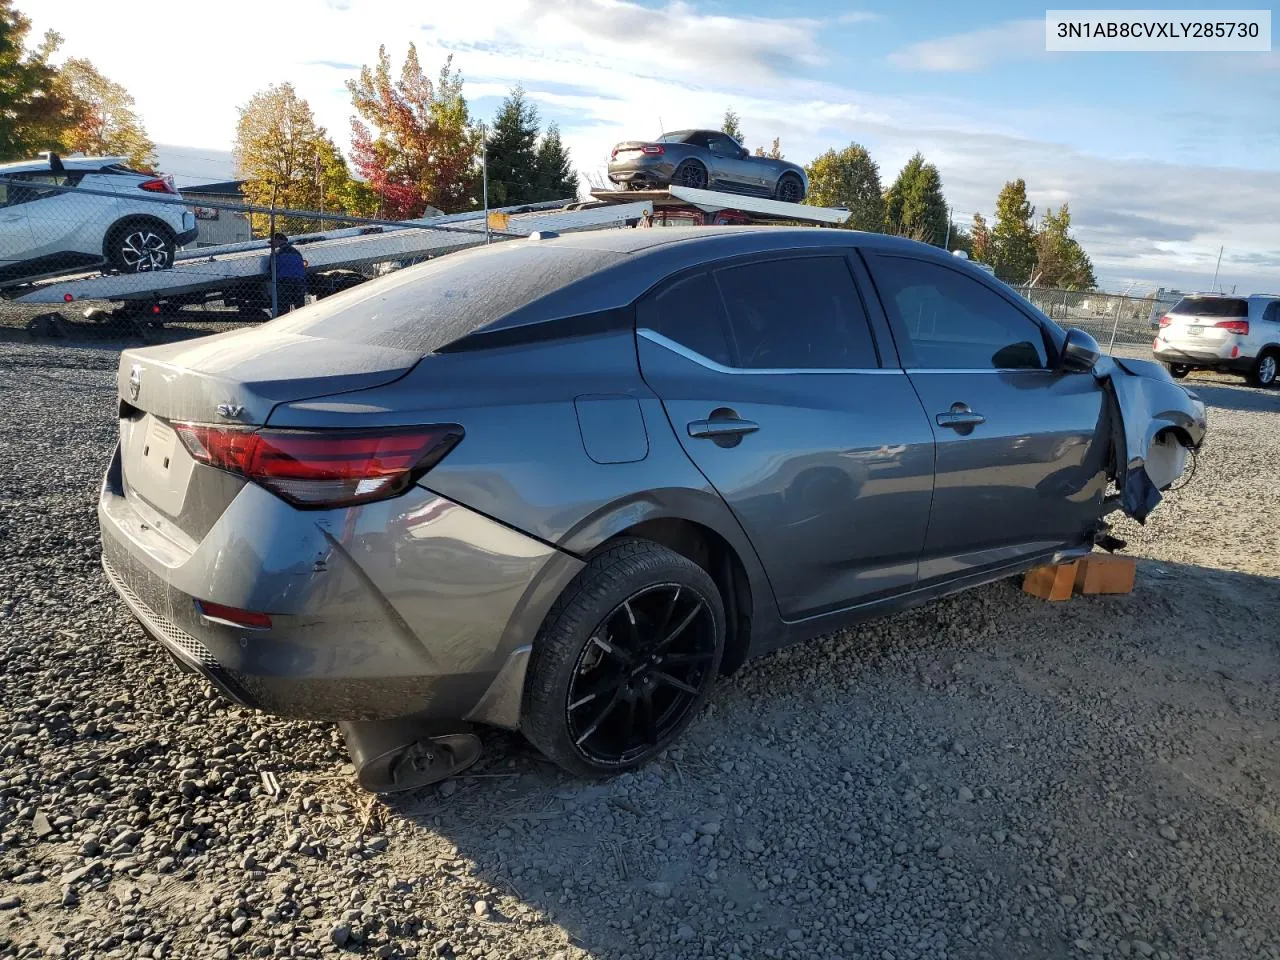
{"points": [[1154, 422]]}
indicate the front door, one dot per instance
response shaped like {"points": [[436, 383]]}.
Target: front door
{"points": [[1021, 446], [771, 378], [731, 169]]}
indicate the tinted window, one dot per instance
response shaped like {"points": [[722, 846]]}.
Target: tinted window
{"points": [[723, 146], [1272, 313], [688, 312], [800, 313], [954, 322], [1213, 307]]}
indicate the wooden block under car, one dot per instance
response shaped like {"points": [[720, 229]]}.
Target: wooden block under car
{"points": [[1104, 573], [1052, 582]]}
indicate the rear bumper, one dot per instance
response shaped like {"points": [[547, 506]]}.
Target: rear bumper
{"points": [[649, 171], [413, 607], [1203, 358], [186, 236]]}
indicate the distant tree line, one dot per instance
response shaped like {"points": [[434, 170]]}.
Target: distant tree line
{"points": [[1016, 245]]}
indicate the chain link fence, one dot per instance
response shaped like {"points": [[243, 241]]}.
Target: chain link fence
{"points": [[1113, 320], [96, 250]]}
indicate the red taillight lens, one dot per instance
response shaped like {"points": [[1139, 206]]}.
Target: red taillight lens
{"points": [[1165, 321], [158, 185], [1234, 326], [613, 154], [234, 615], [651, 148], [323, 468]]}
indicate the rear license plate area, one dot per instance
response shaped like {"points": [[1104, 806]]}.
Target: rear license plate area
{"points": [[158, 447], [1194, 331]]}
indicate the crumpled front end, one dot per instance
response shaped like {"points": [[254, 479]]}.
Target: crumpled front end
{"points": [[1155, 424]]}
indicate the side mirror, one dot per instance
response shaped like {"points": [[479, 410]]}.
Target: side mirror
{"points": [[1080, 352]]}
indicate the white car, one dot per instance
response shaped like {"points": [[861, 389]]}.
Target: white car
{"points": [[1211, 331], [110, 218]]}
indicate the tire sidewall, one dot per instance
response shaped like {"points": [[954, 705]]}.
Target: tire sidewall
{"points": [[1257, 371], [609, 579], [118, 234], [790, 178], [679, 181]]}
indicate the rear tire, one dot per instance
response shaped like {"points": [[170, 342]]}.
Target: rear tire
{"points": [[140, 246], [790, 189], [690, 174], [624, 661], [1265, 371], [1177, 370]]}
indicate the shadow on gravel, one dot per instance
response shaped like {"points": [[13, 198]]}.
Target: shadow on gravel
{"points": [[1248, 399], [988, 775]]}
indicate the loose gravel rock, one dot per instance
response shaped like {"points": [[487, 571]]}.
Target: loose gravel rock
{"points": [[987, 776]]}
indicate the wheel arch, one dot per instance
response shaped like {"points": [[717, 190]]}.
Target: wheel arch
{"points": [[697, 525]]}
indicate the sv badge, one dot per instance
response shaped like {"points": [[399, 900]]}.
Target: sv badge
{"points": [[230, 411]]}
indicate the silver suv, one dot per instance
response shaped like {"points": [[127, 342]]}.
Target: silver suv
{"points": [[1210, 331]]}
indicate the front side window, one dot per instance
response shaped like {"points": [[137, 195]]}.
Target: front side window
{"points": [[723, 146], [954, 322], [798, 313]]}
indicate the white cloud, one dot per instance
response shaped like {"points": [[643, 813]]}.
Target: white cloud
{"points": [[859, 16], [1015, 39]]}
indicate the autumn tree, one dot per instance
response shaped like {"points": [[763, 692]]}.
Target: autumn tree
{"points": [[980, 240], [513, 151], [914, 206], [412, 139], [283, 154], [774, 152], [103, 120], [1060, 260], [732, 125], [33, 111], [848, 178], [1013, 238], [555, 178]]}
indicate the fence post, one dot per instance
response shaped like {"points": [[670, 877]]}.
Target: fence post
{"points": [[1064, 304], [1115, 326], [271, 233]]}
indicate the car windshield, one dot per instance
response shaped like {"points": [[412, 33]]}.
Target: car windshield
{"points": [[1213, 306]]}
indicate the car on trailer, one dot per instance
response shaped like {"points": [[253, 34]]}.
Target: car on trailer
{"points": [[704, 160]]}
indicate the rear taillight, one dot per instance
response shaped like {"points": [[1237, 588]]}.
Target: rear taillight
{"points": [[323, 468], [651, 148], [158, 185], [1165, 321], [1234, 326], [613, 154]]}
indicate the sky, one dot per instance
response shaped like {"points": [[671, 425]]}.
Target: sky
{"points": [[1163, 157]]}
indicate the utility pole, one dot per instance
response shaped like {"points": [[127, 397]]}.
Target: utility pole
{"points": [[1215, 270], [484, 176], [946, 244], [271, 235]]}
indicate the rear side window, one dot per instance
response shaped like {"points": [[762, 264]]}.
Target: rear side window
{"points": [[689, 312], [800, 313], [1272, 313], [954, 322], [1213, 306]]}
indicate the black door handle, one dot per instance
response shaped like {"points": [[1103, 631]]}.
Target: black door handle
{"points": [[960, 418]]}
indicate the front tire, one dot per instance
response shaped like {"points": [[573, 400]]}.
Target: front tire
{"points": [[624, 661], [789, 189], [1265, 371], [140, 246], [690, 174]]}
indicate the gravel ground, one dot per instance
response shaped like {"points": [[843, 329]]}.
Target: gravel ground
{"points": [[987, 776]]}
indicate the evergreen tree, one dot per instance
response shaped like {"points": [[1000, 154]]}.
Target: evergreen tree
{"points": [[556, 179], [914, 205], [980, 240], [732, 125], [513, 151], [848, 178], [1060, 260], [1013, 238]]}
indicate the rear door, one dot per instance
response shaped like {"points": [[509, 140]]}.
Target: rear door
{"points": [[774, 384], [1021, 447]]}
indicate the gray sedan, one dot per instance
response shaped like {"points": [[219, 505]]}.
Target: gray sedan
{"points": [[705, 160], [560, 485]]}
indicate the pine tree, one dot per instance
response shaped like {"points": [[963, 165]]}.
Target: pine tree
{"points": [[914, 205], [512, 151], [556, 179], [848, 178], [732, 125], [1013, 238], [1060, 260]]}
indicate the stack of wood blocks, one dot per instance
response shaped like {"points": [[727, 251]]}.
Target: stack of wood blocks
{"points": [[1096, 573]]}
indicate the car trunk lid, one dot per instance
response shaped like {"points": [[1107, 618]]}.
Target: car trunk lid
{"points": [[231, 379]]}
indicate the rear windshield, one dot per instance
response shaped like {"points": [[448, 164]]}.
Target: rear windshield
{"points": [[1212, 307], [429, 306]]}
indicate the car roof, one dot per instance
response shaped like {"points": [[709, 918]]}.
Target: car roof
{"points": [[1219, 295], [68, 163]]}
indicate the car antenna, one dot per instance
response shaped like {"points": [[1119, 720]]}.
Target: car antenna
{"points": [[55, 163]]}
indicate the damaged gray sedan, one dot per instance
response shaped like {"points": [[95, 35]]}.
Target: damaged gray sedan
{"points": [[559, 485]]}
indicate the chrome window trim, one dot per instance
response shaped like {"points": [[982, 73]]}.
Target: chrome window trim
{"points": [[654, 337], [978, 370]]}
